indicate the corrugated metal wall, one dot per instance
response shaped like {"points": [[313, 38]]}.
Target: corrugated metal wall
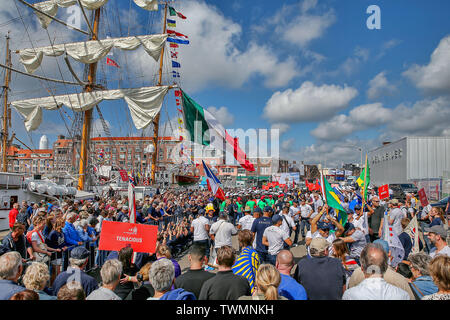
{"points": [[428, 157], [388, 164]]}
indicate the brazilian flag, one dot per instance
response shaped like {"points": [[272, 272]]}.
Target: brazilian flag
{"points": [[364, 176], [334, 202]]}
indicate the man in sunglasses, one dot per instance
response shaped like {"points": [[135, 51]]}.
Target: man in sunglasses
{"points": [[375, 214]]}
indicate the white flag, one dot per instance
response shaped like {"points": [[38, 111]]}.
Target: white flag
{"points": [[413, 231], [395, 246]]}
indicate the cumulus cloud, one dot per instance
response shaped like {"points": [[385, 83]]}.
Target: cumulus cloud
{"points": [[435, 76], [213, 57], [379, 85], [282, 127], [222, 115], [360, 118], [302, 23], [308, 103], [429, 117]]}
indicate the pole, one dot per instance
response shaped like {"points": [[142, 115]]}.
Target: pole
{"points": [[363, 189], [5, 109], [156, 121], [85, 135]]}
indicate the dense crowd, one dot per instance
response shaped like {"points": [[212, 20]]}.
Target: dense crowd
{"points": [[52, 250]]}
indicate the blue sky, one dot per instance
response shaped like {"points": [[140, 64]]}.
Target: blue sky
{"points": [[346, 85]]}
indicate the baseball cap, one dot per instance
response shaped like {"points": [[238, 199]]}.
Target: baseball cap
{"points": [[348, 227], [323, 225], [438, 229], [319, 244], [247, 209], [209, 207], [268, 209], [357, 207], [257, 209], [276, 218], [79, 253], [124, 208], [393, 201]]}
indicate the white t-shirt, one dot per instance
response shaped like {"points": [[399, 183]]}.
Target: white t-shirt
{"points": [[359, 244], [317, 203], [361, 223], [199, 228], [305, 210], [246, 222], [331, 237], [293, 212], [397, 215], [444, 252], [38, 238], [275, 236], [223, 231], [285, 226]]}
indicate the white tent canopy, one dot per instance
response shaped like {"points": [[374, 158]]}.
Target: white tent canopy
{"points": [[144, 104], [92, 51]]}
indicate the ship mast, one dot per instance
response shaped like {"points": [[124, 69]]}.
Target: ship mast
{"points": [[6, 109], [156, 120], [87, 119]]}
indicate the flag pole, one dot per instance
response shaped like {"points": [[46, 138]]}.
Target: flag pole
{"points": [[364, 187]]}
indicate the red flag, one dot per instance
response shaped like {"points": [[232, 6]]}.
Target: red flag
{"points": [[173, 45], [176, 33], [181, 16], [423, 197], [383, 192], [111, 62]]}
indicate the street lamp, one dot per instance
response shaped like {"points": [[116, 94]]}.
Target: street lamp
{"points": [[359, 148]]}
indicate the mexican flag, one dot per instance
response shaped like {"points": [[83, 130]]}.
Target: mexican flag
{"points": [[210, 132], [333, 201], [364, 176]]}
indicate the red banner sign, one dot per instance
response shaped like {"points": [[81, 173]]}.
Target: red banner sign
{"points": [[116, 235], [383, 192], [123, 175], [423, 197]]}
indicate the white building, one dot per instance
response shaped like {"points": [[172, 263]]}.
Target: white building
{"points": [[424, 161]]}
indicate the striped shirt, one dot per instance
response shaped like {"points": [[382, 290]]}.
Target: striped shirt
{"points": [[246, 265]]}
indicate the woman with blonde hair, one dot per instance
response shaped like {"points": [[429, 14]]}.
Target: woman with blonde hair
{"points": [[439, 269], [36, 278], [268, 279]]}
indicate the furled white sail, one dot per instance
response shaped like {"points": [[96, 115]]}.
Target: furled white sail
{"points": [[50, 7], [144, 104], [92, 51]]}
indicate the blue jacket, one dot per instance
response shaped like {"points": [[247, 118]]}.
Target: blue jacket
{"points": [[9, 288], [70, 234], [83, 234], [178, 294], [425, 284]]}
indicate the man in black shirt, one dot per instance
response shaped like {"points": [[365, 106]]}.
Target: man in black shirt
{"points": [[376, 213], [225, 285], [193, 279]]}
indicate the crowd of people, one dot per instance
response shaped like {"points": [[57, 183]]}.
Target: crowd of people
{"points": [[52, 250]]}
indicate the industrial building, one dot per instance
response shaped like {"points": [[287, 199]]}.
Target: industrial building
{"points": [[424, 161]]}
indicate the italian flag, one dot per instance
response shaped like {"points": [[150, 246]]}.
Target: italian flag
{"points": [[210, 132]]}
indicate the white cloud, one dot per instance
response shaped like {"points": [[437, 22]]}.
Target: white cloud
{"points": [[386, 47], [222, 115], [304, 27], [213, 57], [434, 77], [379, 85], [352, 64], [282, 127], [360, 118], [425, 117], [308, 103]]}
